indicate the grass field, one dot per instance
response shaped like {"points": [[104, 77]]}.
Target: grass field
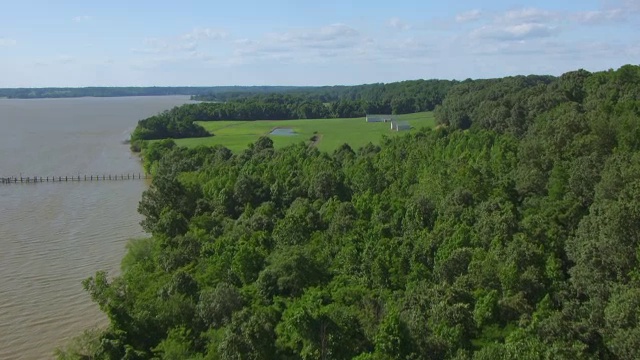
{"points": [[237, 135]]}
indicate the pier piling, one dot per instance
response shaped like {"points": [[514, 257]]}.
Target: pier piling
{"points": [[73, 179]]}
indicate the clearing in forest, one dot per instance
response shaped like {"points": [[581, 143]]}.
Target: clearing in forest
{"points": [[326, 134]]}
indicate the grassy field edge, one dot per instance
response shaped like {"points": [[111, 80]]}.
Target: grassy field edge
{"points": [[329, 133]]}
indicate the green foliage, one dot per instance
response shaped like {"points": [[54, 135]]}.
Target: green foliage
{"points": [[216, 306], [154, 151], [168, 124], [84, 346], [335, 101], [176, 346], [510, 233]]}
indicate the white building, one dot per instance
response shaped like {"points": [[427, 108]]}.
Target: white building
{"points": [[400, 126], [380, 118]]}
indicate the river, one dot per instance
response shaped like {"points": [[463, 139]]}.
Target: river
{"points": [[54, 235]]}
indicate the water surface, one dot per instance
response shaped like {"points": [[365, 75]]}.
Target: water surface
{"points": [[52, 236], [282, 132]]}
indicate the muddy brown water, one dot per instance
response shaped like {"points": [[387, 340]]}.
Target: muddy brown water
{"points": [[54, 235]]}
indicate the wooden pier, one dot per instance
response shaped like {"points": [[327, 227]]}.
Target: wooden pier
{"points": [[75, 178]]}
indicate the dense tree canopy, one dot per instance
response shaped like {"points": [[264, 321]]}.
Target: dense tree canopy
{"points": [[516, 238], [400, 97], [168, 124]]}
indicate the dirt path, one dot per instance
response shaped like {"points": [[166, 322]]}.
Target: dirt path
{"points": [[316, 141]]}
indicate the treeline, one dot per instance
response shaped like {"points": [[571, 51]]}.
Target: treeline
{"points": [[516, 238], [513, 104], [326, 102], [36, 93], [431, 90], [168, 124], [304, 103], [423, 93]]}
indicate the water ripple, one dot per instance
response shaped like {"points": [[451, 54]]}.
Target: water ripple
{"points": [[53, 236]]}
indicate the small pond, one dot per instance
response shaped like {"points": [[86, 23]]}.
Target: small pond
{"points": [[282, 131]]}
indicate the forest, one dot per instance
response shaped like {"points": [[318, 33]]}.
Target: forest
{"points": [[300, 103], [426, 93], [511, 231]]}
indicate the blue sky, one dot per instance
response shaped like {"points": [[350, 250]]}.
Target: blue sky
{"points": [[183, 42]]}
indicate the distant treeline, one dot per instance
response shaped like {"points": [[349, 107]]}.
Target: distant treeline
{"points": [[36, 93], [422, 93], [299, 103]]}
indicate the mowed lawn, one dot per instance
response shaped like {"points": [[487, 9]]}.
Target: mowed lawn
{"points": [[237, 135]]}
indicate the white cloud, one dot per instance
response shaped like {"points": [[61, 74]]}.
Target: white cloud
{"points": [[611, 12], [468, 16], [189, 42], [629, 5], [7, 42], [327, 35], [300, 45], [332, 44], [600, 16], [519, 25], [398, 24], [336, 36], [529, 15], [156, 46], [539, 38], [205, 33], [82, 18], [515, 32]]}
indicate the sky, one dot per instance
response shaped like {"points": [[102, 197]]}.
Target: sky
{"points": [[285, 42]]}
